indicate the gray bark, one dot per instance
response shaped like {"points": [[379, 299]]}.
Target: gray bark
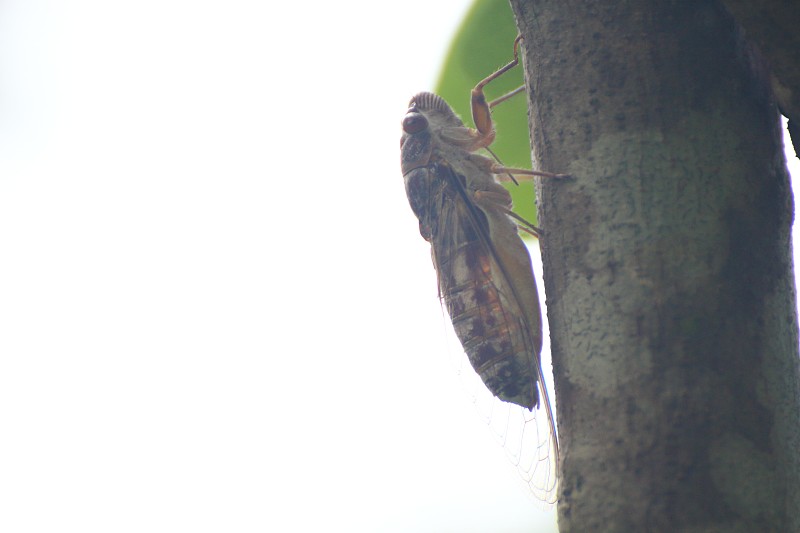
{"points": [[774, 27], [668, 267]]}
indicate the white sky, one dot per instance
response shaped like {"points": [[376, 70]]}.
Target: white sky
{"points": [[216, 312]]}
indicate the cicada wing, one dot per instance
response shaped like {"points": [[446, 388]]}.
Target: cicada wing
{"points": [[486, 309], [461, 227], [525, 435]]}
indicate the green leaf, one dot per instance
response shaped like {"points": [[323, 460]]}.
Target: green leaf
{"points": [[484, 43]]}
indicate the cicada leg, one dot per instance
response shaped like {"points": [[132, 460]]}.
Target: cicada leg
{"points": [[506, 96], [493, 200], [507, 174], [503, 173], [481, 109], [482, 116]]}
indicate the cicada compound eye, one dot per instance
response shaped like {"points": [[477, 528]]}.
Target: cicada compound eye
{"points": [[414, 123]]}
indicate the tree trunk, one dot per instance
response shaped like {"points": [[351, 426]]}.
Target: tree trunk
{"points": [[668, 267], [774, 26]]}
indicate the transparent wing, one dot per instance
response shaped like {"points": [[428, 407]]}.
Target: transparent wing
{"points": [[527, 435]]}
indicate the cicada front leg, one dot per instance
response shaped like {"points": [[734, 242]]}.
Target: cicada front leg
{"points": [[481, 109], [482, 117]]}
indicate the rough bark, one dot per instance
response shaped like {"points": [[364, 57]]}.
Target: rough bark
{"points": [[774, 27], [668, 267]]}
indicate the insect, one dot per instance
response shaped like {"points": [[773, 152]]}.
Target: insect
{"points": [[484, 271]]}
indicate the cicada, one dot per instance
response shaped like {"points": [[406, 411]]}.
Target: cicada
{"points": [[484, 271]]}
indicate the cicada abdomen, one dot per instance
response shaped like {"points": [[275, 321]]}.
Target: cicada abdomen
{"points": [[484, 270]]}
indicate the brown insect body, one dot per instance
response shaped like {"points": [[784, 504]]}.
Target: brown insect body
{"points": [[484, 270]]}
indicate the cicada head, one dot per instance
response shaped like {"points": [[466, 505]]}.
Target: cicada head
{"points": [[427, 116]]}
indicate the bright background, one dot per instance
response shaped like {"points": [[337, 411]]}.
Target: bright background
{"points": [[216, 312]]}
